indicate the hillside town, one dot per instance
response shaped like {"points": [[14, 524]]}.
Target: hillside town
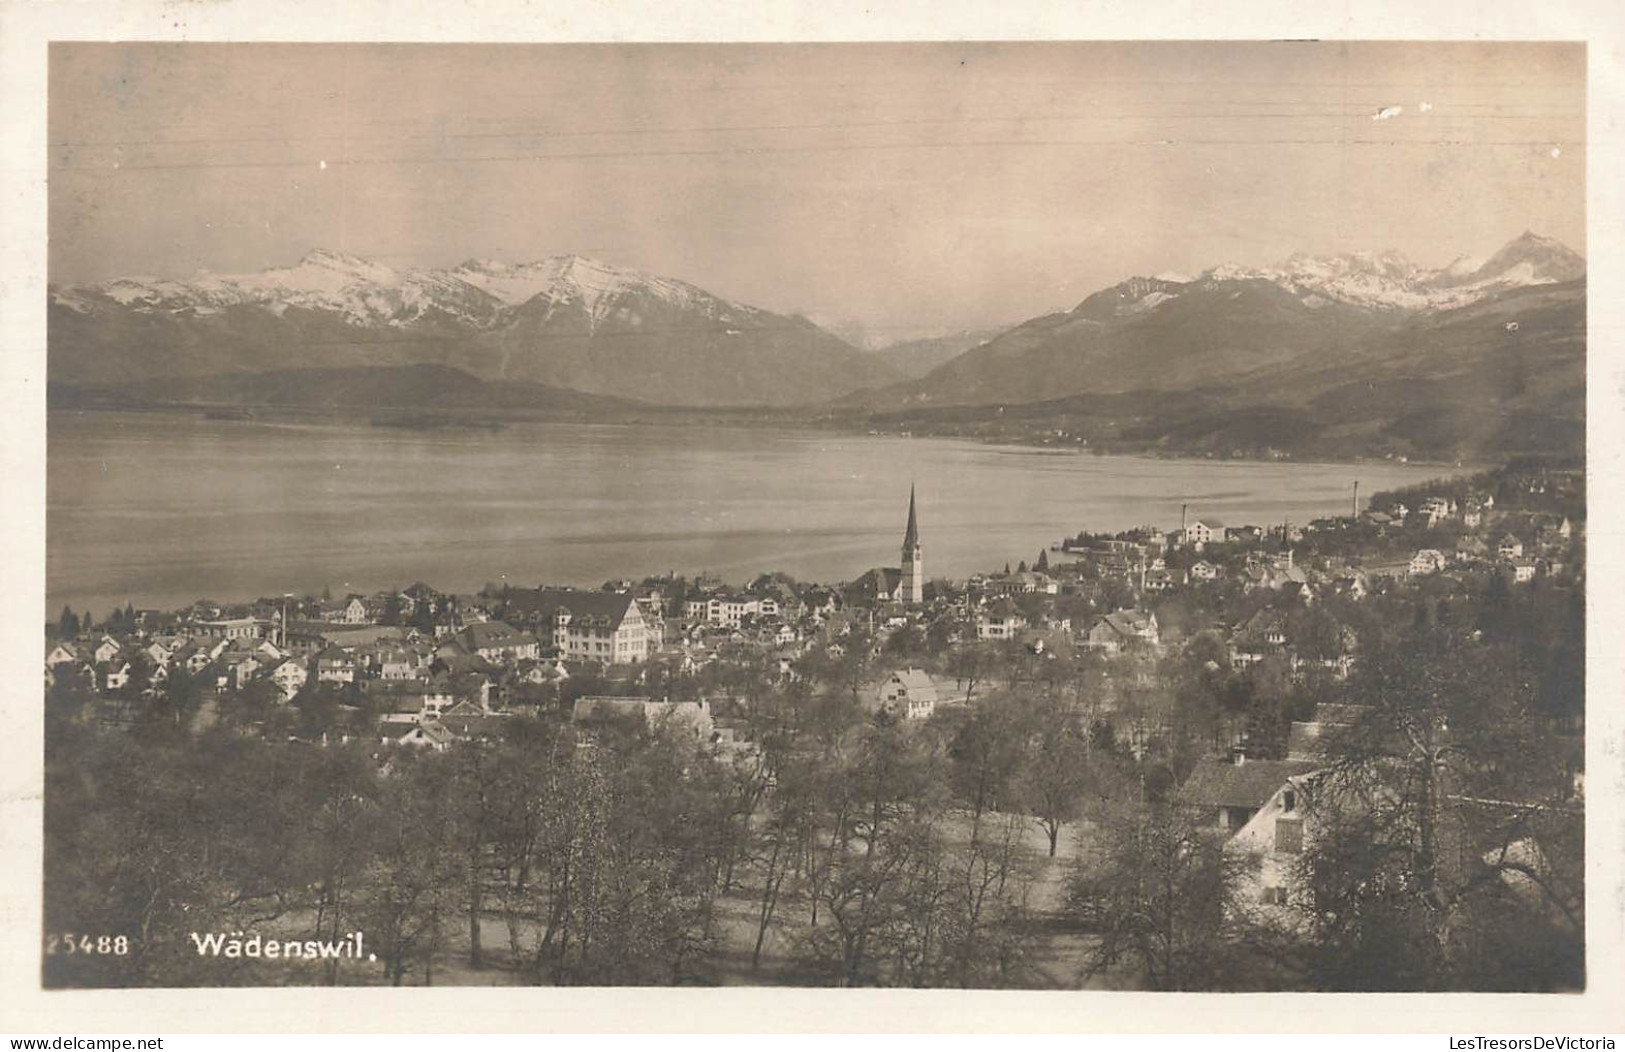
{"points": [[1213, 662], [1293, 593]]}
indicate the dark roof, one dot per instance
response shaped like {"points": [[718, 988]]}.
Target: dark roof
{"points": [[544, 604], [482, 725], [486, 634], [1249, 784]]}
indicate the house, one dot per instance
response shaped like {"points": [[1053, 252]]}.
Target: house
{"points": [[911, 692], [1472, 514], [289, 675], [1025, 582], [1437, 509], [158, 652], [1427, 561], [1204, 531], [727, 609], [1471, 549], [107, 649], [1156, 581], [392, 662], [464, 723], [240, 669], [607, 627], [1001, 620], [335, 666], [1523, 570], [430, 734], [1258, 637], [1233, 793], [498, 642], [232, 628], [114, 675], [1123, 629], [351, 610], [1202, 570], [61, 654], [1272, 840], [1511, 547]]}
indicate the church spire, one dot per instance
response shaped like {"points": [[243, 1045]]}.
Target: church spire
{"points": [[911, 536], [911, 577]]}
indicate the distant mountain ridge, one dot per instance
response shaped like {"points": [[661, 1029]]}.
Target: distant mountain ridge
{"points": [[1358, 352], [1355, 354], [1389, 280], [1163, 334], [566, 321]]}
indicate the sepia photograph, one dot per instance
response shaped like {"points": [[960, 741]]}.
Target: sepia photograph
{"points": [[1048, 515]]}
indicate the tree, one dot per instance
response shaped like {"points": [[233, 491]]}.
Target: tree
{"points": [[970, 664], [984, 756], [67, 626], [1154, 885], [1052, 781], [882, 832], [409, 889], [176, 705], [1445, 825]]}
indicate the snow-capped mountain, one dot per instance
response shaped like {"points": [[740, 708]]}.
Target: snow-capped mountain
{"points": [[1388, 280], [360, 291], [563, 320], [1233, 324], [598, 287], [364, 293]]}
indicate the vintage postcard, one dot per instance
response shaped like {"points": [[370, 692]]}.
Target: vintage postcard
{"points": [[775, 517]]}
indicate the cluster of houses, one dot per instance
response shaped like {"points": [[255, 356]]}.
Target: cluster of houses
{"points": [[419, 656]]}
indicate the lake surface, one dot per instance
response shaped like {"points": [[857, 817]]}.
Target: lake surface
{"points": [[161, 509]]}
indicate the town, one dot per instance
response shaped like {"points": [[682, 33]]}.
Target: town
{"points": [[1048, 735]]}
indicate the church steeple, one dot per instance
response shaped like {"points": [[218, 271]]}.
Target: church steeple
{"points": [[911, 536], [911, 581]]}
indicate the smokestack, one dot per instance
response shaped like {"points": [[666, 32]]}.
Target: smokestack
{"points": [[1354, 511]]}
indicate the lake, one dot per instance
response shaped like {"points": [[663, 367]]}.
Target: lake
{"points": [[161, 509]]}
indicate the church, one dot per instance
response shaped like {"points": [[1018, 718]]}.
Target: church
{"points": [[897, 584]]}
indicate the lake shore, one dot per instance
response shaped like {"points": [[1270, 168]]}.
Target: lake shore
{"points": [[159, 508]]}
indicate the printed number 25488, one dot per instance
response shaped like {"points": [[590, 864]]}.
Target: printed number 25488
{"points": [[69, 943]]}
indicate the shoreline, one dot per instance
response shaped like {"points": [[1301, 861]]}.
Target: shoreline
{"points": [[749, 418]]}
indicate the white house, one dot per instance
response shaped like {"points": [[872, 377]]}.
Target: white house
{"points": [[911, 693], [1204, 531]]}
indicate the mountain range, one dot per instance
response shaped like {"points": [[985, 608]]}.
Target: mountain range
{"points": [[563, 321], [1355, 352]]}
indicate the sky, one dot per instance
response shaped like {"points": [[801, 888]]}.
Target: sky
{"points": [[906, 189]]}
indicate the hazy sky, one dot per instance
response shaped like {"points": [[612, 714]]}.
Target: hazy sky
{"points": [[910, 188]]}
